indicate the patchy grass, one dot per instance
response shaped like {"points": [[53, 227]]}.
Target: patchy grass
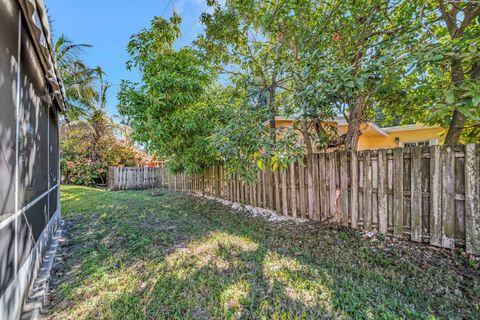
{"points": [[146, 255]]}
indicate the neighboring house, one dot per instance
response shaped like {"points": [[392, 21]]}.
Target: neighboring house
{"points": [[30, 101], [375, 137]]}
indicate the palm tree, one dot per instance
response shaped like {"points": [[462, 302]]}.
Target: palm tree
{"points": [[78, 79], [98, 118], [95, 122]]}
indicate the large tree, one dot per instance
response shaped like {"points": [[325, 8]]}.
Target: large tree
{"points": [[79, 80], [171, 111]]}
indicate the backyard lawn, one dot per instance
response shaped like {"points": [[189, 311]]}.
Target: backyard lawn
{"points": [[161, 255]]}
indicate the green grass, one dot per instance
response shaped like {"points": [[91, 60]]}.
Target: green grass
{"points": [[131, 255]]}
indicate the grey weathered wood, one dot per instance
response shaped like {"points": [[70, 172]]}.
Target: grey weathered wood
{"points": [[315, 183], [301, 186], [324, 205], [254, 191], [293, 189], [344, 187], [332, 186], [264, 190], [435, 196], [416, 194], [278, 201], [310, 193], [398, 192], [382, 192], [448, 200], [284, 178], [353, 189], [367, 191], [472, 199]]}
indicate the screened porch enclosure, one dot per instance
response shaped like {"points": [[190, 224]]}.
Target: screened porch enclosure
{"points": [[29, 157]]}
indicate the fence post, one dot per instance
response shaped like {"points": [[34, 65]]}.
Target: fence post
{"points": [[293, 189], [448, 197], [472, 199], [435, 197], [332, 186], [344, 187], [382, 192], [367, 191], [416, 194], [284, 178], [354, 188], [398, 192]]}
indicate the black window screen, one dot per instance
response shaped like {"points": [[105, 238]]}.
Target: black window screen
{"points": [[37, 217], [25, 241], [53, 150], [8, 81], [33, 155], [53, 198], [7, 255]]}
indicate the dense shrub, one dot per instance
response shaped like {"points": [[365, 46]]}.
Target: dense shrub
{"points": [[84, 172]]}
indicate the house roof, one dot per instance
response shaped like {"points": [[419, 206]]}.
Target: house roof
{"points": [[372, 127], [408, 127], [36, 17]]}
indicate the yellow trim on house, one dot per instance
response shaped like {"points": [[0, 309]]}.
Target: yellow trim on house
{"points": [[374, 137]]}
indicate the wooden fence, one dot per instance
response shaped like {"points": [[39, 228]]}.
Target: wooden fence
{"points": [[126, 178], [425, 194]]}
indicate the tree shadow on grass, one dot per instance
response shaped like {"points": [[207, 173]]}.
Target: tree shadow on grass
{"points": [[198, 259], [228, 276]]}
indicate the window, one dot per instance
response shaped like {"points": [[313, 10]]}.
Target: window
{"points": [[416, 144]]}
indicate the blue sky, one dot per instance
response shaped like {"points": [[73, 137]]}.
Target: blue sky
{"points": [[108, 24]]}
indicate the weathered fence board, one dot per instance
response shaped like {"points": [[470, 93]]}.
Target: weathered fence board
{"points": [[425, 194], [354, 189], [382, 199], [416, 194], [435, 197], [472, 198]]}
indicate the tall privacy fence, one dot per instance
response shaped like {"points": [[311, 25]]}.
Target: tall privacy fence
{"points": [[425, 194]]}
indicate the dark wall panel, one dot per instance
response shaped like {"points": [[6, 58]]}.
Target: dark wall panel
{"points": [[37, 217], [7, 255], [33, 163], [53, 198], [25, 240], [8, 84], [54, 145]]}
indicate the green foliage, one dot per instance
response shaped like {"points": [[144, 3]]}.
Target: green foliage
{"points": [[83, 171], [177, 106], [394, 62], [93, 143], [444, 73], [78, 79]]}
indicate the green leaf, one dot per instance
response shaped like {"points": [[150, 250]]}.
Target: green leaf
{"points": [[476, 100], [472, 48], [260, 164], [350, 84], [450, 97]]}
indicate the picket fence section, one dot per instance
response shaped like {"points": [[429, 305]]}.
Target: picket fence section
{"points": [[127, 178], [424, 194]]}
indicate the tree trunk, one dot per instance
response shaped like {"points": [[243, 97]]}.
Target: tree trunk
{"points": [[456, 28], [455, 129], [458, 119], [272, 111], [355, 120], [306, 136]]}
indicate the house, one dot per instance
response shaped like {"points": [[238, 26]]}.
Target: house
{"points": [[376, 137], [31, 99]]}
